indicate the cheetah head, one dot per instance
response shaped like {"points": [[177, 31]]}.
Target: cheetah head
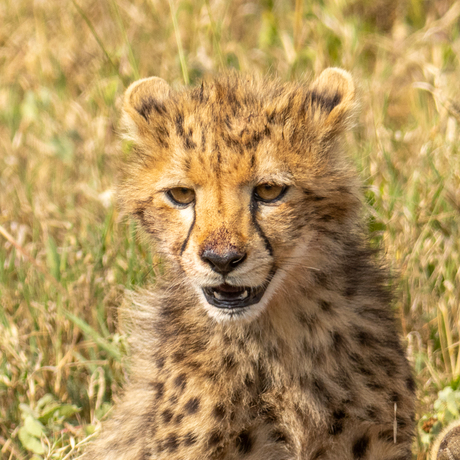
{"points": [[236, 178]]}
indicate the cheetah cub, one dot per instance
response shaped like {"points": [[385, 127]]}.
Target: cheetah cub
{"points": [[271, 336]]}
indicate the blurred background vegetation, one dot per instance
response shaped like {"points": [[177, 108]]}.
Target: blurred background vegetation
{"points": [[66, 255]]}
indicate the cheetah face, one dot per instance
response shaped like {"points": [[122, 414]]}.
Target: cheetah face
{"points": [[228, 178], [228, 231]]}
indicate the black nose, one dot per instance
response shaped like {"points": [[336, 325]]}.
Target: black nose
{"points": [[223, 263]]}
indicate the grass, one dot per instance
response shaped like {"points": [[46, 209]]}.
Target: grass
{"points": [[66, 255]]}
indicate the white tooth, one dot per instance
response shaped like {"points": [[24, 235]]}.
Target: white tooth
{"points": [[244, 295], [217, 295]]}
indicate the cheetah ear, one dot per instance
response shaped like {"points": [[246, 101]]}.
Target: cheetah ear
{"points": [[143, 108], [331, 101]]}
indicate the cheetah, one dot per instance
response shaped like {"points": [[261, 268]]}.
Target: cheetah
{"points": [[271, 334]]}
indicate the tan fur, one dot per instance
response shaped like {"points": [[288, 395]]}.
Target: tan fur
{"points": [[314, 368]]}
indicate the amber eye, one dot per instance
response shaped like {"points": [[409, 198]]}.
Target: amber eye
{"points": [[181, 195], [269, 192]]}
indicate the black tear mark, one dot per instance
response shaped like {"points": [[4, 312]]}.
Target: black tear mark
{"points": [[184, 244], [253, 211]]}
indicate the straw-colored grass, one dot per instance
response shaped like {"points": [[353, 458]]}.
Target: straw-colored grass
{"points": [[66, 256]]}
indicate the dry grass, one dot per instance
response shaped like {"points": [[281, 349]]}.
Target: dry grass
{"points": [[65, 254]]}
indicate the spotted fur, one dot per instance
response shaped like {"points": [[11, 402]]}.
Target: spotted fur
{"points": [[315, 370]]}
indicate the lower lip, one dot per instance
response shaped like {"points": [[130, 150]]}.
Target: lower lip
{"points": [[234, 304]]}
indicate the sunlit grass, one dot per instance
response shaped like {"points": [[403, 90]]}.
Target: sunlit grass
{"points": [[66, 256]]}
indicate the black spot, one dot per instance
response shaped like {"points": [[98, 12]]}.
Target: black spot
{"points": [[326, 218], [228, 362], [130, 441], [236, 397], [179, 124], [215, 438], [325, 306], [350, 291], [410, 383], [190, 439], [160, 362], [279, 436], [337, 425], [373, 413], [178, 419], [338, 342], [167, 416], [343, 189], [387, 363], [402, 423], [203, 140], [193, 364], [188, 143], [249, 381], [364, 338], [244, 442], [212, 375], [361, 365], [192, 405], [159, 388], [374, 385], [178, 356], [181, 381], [171, 443], [146, 107], [219, 411], [268, 412], [360, 447]]}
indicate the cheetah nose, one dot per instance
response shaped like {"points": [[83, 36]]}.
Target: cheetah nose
{"points": [[223, 263]]}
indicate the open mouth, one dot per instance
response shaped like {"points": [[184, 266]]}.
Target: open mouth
{"points": [[233, 297]]}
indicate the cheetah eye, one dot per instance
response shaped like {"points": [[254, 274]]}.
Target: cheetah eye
{"points": [[269, 193], [181, 196]]}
